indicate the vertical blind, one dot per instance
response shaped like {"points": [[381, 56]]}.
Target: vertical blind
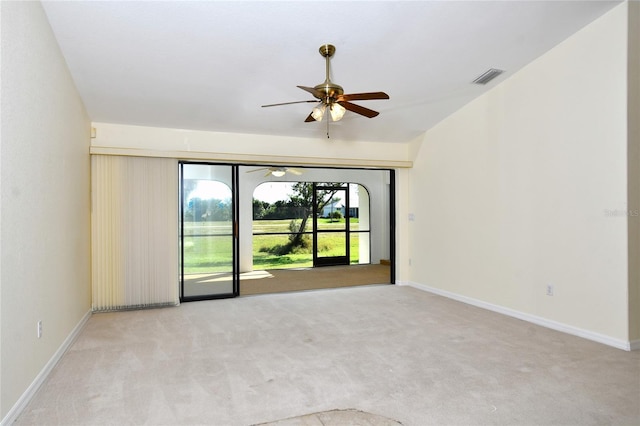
{"points": [[134, 226]]}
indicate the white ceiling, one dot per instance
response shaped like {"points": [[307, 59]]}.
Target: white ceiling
{"points": [[210, 65]]}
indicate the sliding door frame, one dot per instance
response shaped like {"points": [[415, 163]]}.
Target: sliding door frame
{"points": [[392, 225], [235, 233], [236, 220]]}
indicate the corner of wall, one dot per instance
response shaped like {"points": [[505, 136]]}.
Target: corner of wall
{"points": [[415, 145], [1, 408], [633, 164]]}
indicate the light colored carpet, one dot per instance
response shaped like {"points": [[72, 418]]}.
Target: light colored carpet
{"points": [[281, 280], [391, 351], [336, 417]]}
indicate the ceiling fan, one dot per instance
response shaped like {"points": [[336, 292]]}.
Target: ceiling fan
{"points": [[331, 96], [277, 171]]}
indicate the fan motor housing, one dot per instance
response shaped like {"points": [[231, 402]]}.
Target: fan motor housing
{"points": [[331, 90]]}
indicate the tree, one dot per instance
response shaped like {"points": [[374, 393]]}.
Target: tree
{"points": [[302, 198], [336, 215], [259, 209]]}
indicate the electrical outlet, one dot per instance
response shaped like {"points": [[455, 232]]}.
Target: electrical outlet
{"points": [[549, 289], [39, 329]]}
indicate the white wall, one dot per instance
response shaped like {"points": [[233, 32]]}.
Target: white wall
{"points": [[512, 192], [45, 230]]}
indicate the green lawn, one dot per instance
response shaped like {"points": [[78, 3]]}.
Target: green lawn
{"points": [[208, 249], [265, 226]]}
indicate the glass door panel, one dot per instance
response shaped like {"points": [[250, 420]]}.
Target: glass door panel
{"points": [[332, 244], [331, 224], [208, 240]]}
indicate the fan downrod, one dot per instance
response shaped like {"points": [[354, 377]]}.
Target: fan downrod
{"points": [[329, 89]]}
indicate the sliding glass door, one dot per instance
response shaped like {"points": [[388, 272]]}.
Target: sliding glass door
{"points": [[208, 237], [331, 224]]}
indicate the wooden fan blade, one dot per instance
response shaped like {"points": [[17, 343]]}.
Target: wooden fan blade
{"points": [[288, 103], [358, 109], [294, 171], [318, 94], [363, 96], [309, 119]]}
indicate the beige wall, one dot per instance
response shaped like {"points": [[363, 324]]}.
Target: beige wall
{"points": [[193, 144], [45, 200], [520, 188], [633, 115]]}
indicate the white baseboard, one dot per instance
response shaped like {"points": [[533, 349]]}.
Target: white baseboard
{"points": [[554, 325], [28, 394]]}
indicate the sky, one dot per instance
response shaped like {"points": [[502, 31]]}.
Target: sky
{"points": [[268, 191], [273, 191], [207, 189]]}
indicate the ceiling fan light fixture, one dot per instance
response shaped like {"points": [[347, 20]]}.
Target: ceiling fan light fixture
{"points": [[318, 112], [331, 96], [278, 173], [337, 112]]}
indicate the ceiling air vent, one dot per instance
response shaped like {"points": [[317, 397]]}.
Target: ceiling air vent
{"points": [[487, 76]]}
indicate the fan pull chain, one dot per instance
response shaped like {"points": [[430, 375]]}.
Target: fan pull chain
{"points": [[327, 127]]}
